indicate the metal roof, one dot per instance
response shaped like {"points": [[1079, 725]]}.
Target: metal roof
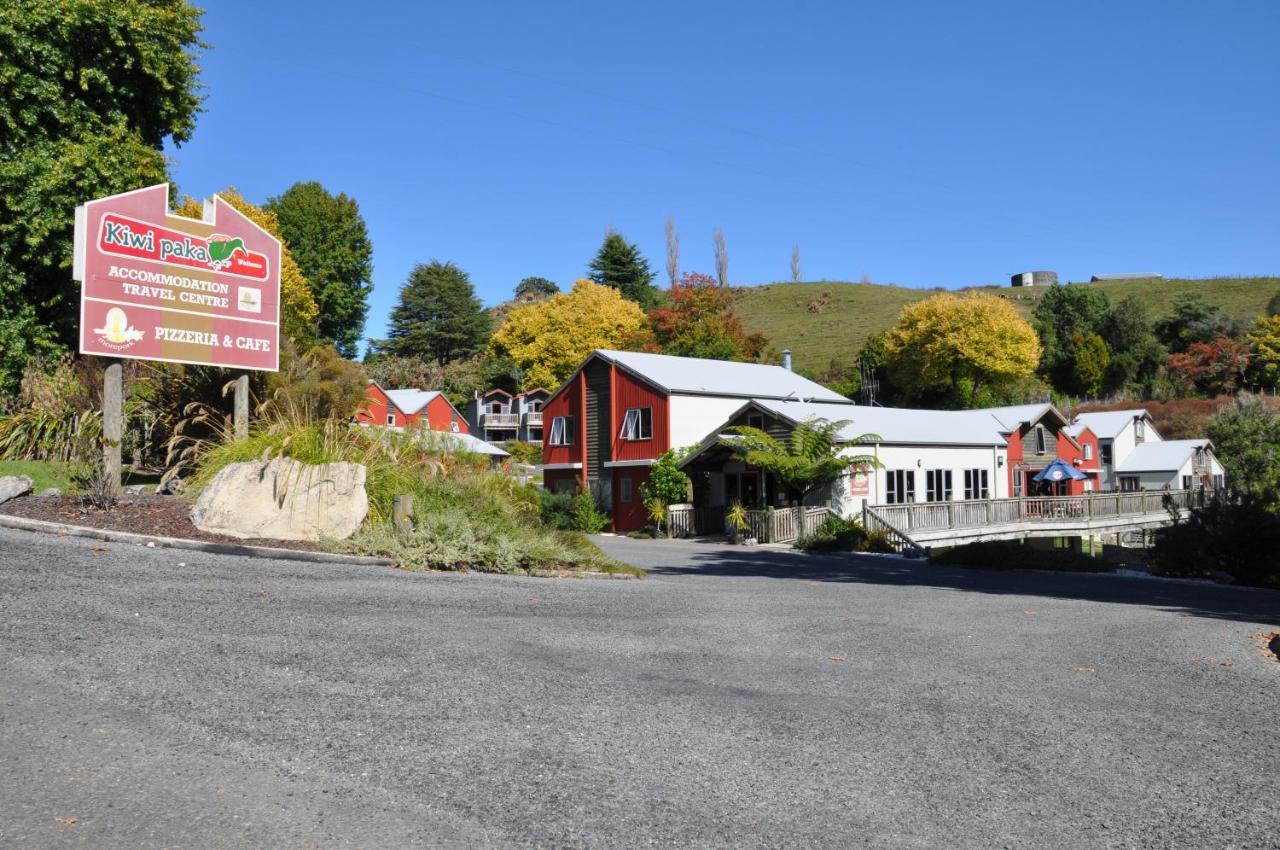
{"points": [[1012, 417], [898, 425], [411, 401], [719, 377], [448, 440], [1107, 424], [1161, 456]]}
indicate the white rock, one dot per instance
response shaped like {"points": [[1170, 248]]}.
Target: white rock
{"points": [[284, 500], [13, 486]]}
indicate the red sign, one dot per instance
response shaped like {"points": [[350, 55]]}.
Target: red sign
{"points": [[860, 481], [159, 286]]}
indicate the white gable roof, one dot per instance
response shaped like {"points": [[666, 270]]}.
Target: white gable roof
{"points": [[411, 401], [1160, 456], [1107, 424], [720, 377], [450, 441], [898, 425], [1012, 417]]}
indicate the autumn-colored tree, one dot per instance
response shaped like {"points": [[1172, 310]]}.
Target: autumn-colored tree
{"points": [[1264, 345], [298, 309], [951, 347], [1212, 368], [548, 340], [1091, 362], [698, 321]]}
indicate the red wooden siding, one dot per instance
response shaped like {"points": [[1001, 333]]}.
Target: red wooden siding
{"points": [[441, 415], [629, 392], [629, 516], [1014, 458], [1075, 456], [567, 403], [375, 412]]}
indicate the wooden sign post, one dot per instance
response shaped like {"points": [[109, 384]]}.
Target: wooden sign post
{"points": [[242, 407], [112, 422]]}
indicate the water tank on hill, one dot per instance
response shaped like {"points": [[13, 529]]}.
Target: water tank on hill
{"points": [[1034, 279]]}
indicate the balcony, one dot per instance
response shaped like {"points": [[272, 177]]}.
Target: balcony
{"points": [[500, 420], [533, 418]]}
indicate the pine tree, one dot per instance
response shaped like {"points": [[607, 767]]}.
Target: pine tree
{"points": [[438, 316], [620, 264]]}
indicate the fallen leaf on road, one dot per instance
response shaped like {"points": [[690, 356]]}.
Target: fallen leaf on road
{"points": [[836, 657], [1031, 613], [535, 598], [66, 821], [1084, 670], [97, 550]]}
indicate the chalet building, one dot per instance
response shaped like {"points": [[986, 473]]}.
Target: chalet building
{"points": [[621, 410], [411, 408], [922, 456], [1040, 436], [1118, 432], [1171, 465], [498, 415]]}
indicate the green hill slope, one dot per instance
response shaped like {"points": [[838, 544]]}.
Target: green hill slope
{"points": [[829, 320]]}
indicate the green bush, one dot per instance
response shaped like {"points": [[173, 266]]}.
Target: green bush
{"points": [[834, 534], [1239, 538], [879, 542], [1013, 555], [557, 510], [522, 452], [587, 516]]}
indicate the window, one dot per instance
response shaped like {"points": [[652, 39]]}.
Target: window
{"points": [[1017, 484], [638, 424], [1129, 484], [453, 425], [1088, 451], [1040, 440], [1104, 452], [1219, 482], [975, 484], [1186, 482], [624, 489], [900, 486], [755, 420], [562, 431], [938, 485], [391, 418], [1088, 485], [535, 406], [1139, 430]]}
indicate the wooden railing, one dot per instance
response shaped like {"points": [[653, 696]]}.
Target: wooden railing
{"points": [[533, 417], [501, 420], [932, 516], [898, 539]]}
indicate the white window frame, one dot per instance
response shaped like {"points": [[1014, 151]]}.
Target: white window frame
{"points": [[1139, 430], [977, 484], [900, 486], [562, 428], [1130, 483], [1106, 453], [1042, 442], [938, 485], [1186, 482], [391, 419], [1088, 451], [637, 424], [755, 420]]}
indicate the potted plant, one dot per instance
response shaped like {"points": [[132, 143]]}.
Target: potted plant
{"points": [[735, 521]]}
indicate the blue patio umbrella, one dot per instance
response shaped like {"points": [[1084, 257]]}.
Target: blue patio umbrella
{"points": [[1059, 470]]}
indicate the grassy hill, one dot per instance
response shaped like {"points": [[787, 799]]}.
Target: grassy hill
{"points": [[823, 321]]}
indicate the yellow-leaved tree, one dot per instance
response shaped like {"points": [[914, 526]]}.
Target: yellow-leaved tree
{"points": [[549, 339], [955, 346], [298, 309]]}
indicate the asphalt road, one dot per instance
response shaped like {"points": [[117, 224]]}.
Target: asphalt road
{"points": [[737, 697]]}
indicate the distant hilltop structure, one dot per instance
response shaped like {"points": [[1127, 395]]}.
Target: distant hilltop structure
{"points": [[1034, 279], [1133, 276]]}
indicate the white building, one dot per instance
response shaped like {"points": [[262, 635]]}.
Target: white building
{"points": [[1119, 432], [1171, 465]]}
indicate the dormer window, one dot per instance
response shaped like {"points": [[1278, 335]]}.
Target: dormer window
{"points": [[1139, 429], [1041, 442], [755, 420]]}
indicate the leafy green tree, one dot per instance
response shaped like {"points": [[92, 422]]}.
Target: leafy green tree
{"points": [[1246, 435], [330, 243], [620, 264], [1264, 344], [667, 482], [532, 287], [1063, 314], [811, 458], [438, 316], [90, 91], [1137, 356], [1090, 363], [1194, 320]]}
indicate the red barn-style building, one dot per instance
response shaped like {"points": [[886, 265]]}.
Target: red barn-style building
{"points": [[1039, 434], [411, 408]]}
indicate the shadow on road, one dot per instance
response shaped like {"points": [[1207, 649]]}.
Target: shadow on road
{"points": [[1206, 600]]}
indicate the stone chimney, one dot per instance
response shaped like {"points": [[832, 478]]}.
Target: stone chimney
{"points": [[786, 359]]}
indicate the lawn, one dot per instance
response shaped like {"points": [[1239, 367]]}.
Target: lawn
{"points": [[48, 473]]}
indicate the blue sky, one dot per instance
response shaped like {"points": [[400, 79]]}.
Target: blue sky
{"points": [[926, 144]]}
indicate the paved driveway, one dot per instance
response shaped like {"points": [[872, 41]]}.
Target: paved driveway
{"points": [[737, 697]]}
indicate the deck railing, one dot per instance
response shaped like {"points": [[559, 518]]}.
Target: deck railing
{"points": [[501, 420], [978, 513], [533, 417]]}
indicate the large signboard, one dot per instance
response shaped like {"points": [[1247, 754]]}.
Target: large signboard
{"points": [[160, 286]]}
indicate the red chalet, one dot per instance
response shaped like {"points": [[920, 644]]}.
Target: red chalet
{"points": [[621, 410], [1039, 435], [410, 408]]}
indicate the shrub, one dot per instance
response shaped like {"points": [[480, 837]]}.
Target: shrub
{"points": [[1239, 538], [879, 542], [587, 516], [522, 452], [834, 534], [1013, 555], [557, 509]]}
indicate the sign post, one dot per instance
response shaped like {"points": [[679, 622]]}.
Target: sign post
{"points": [[112, 423], [163, 287]]}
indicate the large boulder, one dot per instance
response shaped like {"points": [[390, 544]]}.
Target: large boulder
{"points": [[284, 500], [13, 486]]}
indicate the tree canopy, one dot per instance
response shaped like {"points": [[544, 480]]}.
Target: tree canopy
{"points": [[549, 339], [330, 242], [1246, 435], [949, 347], [535, 286], [698, 321], [1194, 320], [1137, 356], [1264, 344], [1065, 314], [438, 316], [90, 92], [620, 264]]}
